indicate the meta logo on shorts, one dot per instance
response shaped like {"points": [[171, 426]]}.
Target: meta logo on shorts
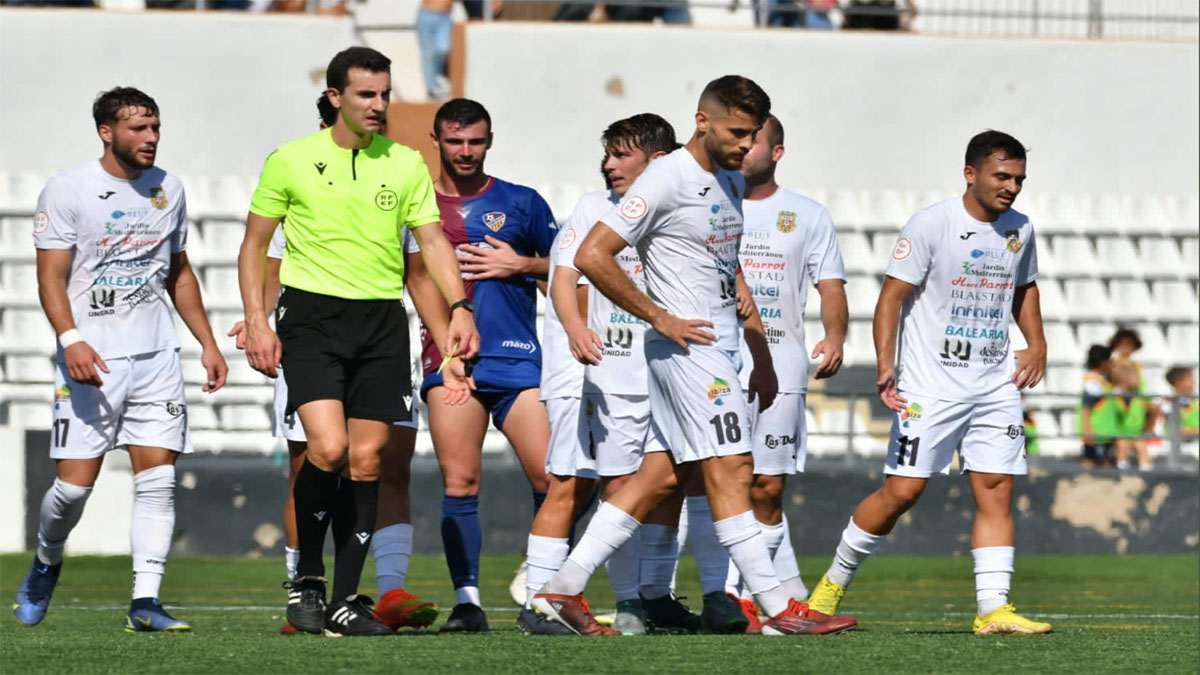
{"points": [[717, 389], [176, 409], [786, 222], [158, 198], [386, 200], [1015, 430], [912, 412], [776, 441], [494, 220]]}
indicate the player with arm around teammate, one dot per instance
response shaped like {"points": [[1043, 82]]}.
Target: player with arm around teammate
{"points": [[960, 272], [111, 238]]}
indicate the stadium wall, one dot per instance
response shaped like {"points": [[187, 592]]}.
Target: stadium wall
{"points": [[230, 505]]}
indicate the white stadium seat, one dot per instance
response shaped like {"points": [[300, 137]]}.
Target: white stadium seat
{"points": [[857, 254], [1176, 301], [1065, 380], [16, 238], [882, 245], [1050, 297], [1130, 301], [1118, 257], [1068, 422], [19, 193], [1155, 379], [889, 209], [1182, 214], [1109, 213], [30, 415], [29, 369], [202, 416], [814, 330], [26, 331], [1159, 258], [1059, 213], [1047, 264], [1075, 257], [1151, 215], [1047, 425], [1093, 334], [221, 287], [846, 209], [249, 417], [1183, 343], [1087, 298], [861, 295], [1061, 345], [1189, 249], [18, 284], [860, 344], [223, 239], [1154, 345]]}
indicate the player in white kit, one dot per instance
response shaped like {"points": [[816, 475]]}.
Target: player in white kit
{"points": [[683, 214], [961, 272], [789, 245], [111, 239]]}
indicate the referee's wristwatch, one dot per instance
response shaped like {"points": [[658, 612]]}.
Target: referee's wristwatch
{"points": [[463, 304]]}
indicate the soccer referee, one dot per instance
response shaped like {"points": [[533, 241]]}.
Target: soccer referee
{"points": [[344, 194]]}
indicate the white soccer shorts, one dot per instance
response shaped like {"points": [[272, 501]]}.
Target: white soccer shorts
{"points": [[696, 401], [140, 403], [618, 432], [288, 427], [566, 455], [990, 437], [779, 436]]}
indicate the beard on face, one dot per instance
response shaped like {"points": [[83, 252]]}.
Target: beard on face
{"points": [[129, 155]]}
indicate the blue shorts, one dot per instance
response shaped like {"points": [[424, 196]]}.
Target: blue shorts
{"points": [[498, 383]]}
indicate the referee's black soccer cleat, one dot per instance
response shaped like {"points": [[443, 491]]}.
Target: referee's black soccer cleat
{"points": [[530, 622], [306, 604], [466, 618], [353, 617], [668, 615]]}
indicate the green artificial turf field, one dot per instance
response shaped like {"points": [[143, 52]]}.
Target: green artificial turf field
{"points": [[1110, 614]]}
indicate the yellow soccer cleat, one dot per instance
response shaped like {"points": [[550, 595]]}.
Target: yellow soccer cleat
{"points": [[1005, 621], [826, 597]]}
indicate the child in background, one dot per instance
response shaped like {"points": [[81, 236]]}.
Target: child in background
{"points": [[1130, 414], [1183, 395], [1097, 411]]}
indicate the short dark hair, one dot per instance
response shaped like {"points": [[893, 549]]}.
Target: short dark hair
{"points": [[982, 145], [107, 107], [775, 135], [462, 112], [1097, 355], [645, 131], [1124, 334], [326, 110], [337, 75], [1177, 373], [742, 93]]}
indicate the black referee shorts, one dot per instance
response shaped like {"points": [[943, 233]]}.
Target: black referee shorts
{"points": [[354, 351]]}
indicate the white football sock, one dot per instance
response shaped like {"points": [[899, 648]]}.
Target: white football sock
{"points": [[392, 547], [609, 530], [743, 538], [291, 558], [680, 542], [467, 595], [623, 568], [854, 548], [544, 556], [733, 580], [152, 528], [787, 568], [61, 509], [711, 556], [993, 576], [659, 554]]}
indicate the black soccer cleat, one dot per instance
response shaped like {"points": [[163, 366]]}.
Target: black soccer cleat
{"points": [[306, 604], [353, 617], [668, 615], [466, 618], [530, 622], [723, 614]]}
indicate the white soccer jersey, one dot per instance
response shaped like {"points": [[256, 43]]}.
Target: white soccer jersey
{"points": [[562, 375], [279, 243], [686, 224], [954, 333], [123, 234], [623, 368], [789, 244]]}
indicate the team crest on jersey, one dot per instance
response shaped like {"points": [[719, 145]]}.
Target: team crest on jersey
{"points": [[568, 238], [41, 222], [386, 200], [786, 221], [494, 220], [158, 198], [1014, 240], [717, 389]]}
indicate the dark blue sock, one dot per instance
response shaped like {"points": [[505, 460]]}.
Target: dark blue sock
{"points": [[579, 514], [462, 538], [538, 498]]}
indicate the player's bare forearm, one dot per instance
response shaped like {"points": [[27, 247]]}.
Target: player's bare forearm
{"points": [[835, 312], [887, 320], [252, 266], [440, 263], [53, 266], [272, 286], [1027, 308], [184, 290], [427, 299], [597, 260], [537, 267], [564, 296], [756, 337]]}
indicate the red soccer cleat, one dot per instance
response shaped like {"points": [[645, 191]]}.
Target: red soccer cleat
{"points": [[288, 629], [399, 609], [571, 611], [799, 619], [751, 611]]}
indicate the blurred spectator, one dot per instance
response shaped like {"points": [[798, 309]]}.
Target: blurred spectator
{"points": [[433, 38], [1124, 343], [1032, 447], [816, 15], [1183, 396], [778, 13], [1130, 414], [879, 14], [1098, 420], [47, 3], [328, 7]]}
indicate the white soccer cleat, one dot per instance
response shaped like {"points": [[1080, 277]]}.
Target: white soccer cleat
{"points": [[516, 590]]}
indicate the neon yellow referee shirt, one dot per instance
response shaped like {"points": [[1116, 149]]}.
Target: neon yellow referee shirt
{"points": [[343, 213]]}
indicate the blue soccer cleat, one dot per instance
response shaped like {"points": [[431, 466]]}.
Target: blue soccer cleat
{"points": [[33, 596], [147, 616]]}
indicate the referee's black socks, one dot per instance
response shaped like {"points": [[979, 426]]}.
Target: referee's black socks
{"points": [[315, 494], [363, 498]]}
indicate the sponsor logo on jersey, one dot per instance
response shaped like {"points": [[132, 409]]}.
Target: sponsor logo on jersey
{"points": [[975, 312], [494, 220], [972, 332], [774, 335], [158, 198], [41, 222], [568, 238], [704, 192], [982, 283], [987, 252], [320, 168], [786, 222], [176, 409], [770, 313], [966, 236], [634, 208], [717, 389], [773, 442], [107, 194], [102, 301], [143, 294], [1015, 430], [386, 200], [62, 393], [517, 344], [903, 249]]}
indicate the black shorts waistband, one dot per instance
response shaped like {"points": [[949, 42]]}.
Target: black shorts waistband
{"points": [[321, 297]]}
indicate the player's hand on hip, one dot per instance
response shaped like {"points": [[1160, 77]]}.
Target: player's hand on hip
{"points": [[462, 339], [238, 333], [83, 363], [830, 354], [1031, 366], [586, 346], [888, 393], [456, 384], [215, 367], [263, 349], [745, 304], [681, 331], [763, 387], [480, 263]]}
